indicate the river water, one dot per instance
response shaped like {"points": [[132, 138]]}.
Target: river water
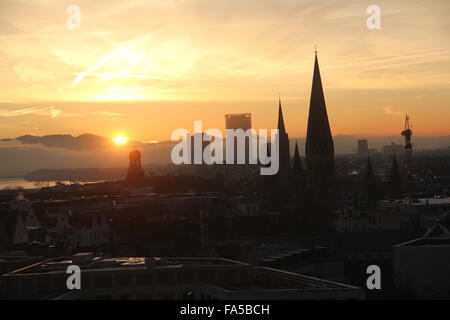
{"points": [[14, 183]]}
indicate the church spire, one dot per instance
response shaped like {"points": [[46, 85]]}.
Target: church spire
{"points": [[284, 153], [297, 166], [319, 147], [298, 175], [281, 127], [395, 179], [370, 176], [319, 133]]}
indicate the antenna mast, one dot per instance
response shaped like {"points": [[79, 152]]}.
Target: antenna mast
{"points": [[407, 133]]}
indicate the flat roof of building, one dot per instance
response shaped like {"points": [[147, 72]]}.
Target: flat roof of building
{"points": [[420, 202], [302, 281], [124, 263], [280, 280], [426, 242]]}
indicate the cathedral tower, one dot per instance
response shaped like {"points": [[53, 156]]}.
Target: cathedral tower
{"points": [[319, 142]]}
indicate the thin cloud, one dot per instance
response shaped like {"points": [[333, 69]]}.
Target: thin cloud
{"points": [[47, 111], [125, 53], [389, 111], [55, 35], [86, 72], [51, 112]]}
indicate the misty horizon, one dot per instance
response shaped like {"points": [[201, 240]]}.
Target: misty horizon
{"points": [[19, 159]]}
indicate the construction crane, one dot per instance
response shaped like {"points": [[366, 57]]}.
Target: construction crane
{"points": [[407, 133]]}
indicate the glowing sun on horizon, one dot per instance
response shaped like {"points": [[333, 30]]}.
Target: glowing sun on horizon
{"points": [[120, 140]]}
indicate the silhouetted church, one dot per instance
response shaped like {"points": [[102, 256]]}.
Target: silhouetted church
{"points": [[277, 189], [319, 142], [318, 177], [282, 176]]}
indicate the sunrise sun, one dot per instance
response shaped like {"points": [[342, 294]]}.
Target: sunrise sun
{"points": [[120, 140]]}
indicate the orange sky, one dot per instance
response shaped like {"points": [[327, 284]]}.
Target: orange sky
{"points": [[144, 68]]}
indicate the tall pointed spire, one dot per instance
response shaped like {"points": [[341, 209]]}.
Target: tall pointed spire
{"points": [[280, 117], [284, 154], [298, 174], [319, 141], [319, 133], [370, 176], [297, 166]]}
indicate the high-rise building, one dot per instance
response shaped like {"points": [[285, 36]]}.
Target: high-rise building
{"points": [[319, 142], [363, 148], [238, 121]]}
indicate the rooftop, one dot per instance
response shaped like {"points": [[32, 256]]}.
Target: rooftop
{"points": [[426, 242], [87, 261], [215, 276], [420, 202]]}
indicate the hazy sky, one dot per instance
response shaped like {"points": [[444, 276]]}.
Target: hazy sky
{"points": [[142, 68]]}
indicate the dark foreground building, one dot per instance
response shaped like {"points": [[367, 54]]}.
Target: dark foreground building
{"points": [[169, 279]]}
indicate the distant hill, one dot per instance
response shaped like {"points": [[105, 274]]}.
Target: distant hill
{"points": [[342, 143], [83, 142]]}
